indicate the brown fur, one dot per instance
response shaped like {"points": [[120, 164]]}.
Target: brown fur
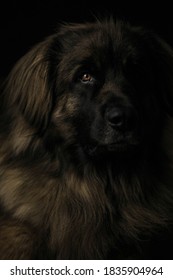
{"points": [[56, 200]]}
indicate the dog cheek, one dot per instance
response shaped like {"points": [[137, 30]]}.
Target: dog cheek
{"points": [[64, 116]]}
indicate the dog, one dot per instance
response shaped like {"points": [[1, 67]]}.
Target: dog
{"points": [[86, 146]]}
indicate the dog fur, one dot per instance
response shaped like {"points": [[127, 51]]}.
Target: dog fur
{"points": [[86, 148]]}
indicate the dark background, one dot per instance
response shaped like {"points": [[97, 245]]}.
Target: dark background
{"points": [[24, 23]]}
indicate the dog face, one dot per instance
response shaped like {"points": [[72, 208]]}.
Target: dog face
{"points": [[106, 87], [101, 87]]}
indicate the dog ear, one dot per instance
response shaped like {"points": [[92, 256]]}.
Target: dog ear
{"points": [[27, 86], [163, 56]]}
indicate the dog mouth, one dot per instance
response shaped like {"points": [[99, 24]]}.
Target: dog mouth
{"points": [[106, 140], [119, 146]]}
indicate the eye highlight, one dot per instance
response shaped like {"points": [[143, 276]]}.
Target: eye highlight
{"points": [[86, 77]]}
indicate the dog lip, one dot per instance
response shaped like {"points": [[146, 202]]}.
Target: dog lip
{"points": [[96, 148], [117, 145]]}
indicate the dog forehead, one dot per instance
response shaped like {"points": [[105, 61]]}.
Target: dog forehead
{"points": [[99, 39]]}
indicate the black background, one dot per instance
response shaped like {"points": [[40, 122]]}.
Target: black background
{"points": [[24, 23]]}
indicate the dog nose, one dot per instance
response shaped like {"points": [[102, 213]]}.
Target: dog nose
{"points": [[115, 117], [121, 118]]}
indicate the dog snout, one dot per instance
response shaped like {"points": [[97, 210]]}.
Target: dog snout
{"points": [[120, 118]]}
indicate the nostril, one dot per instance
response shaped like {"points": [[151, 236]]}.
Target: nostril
{"points": [[115, 117]]}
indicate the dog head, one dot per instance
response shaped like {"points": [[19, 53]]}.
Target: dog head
{"points": [[102, 86]]}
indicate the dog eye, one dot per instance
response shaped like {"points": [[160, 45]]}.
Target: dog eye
{"points": [[87, 78]]}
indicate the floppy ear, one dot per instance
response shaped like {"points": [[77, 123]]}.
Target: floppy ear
{"points": [[163, 55], [27, 86]]}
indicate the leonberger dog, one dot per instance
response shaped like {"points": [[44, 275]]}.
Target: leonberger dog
{"points": [[86, 146]]}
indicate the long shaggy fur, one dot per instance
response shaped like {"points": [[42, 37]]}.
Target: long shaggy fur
{"points": [[63, 197]]}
